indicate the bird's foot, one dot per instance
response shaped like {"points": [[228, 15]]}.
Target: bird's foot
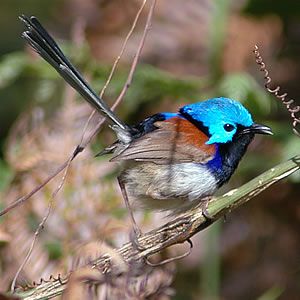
{"points": [[204, 206], [135, 234]]}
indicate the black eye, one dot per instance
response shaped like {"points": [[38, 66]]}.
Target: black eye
{"points": [[228, 127]]}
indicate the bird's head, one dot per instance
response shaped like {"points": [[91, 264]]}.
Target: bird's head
{"points": [[224, 119]]}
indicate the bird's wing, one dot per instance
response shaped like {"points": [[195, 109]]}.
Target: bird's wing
{"points": [[175, 140]]}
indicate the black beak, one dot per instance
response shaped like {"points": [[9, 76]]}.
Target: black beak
{"points": [[257, 129]]}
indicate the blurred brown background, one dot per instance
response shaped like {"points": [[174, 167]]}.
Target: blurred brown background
{"points": [[196, 49]]}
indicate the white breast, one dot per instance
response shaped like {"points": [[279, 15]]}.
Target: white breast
{"points": [[168, 186]]}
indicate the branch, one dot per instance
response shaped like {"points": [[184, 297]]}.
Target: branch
{"points": [[84, 142], [289, 103], [174, 232]]}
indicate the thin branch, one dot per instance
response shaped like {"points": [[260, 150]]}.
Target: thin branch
{"points": [[21, 200], [37, 232], [77, 37], [174, 232], [292, 108], [132, 69], [123, 48], [83, 143], [41, 225], [116, 62], [137, 55]]}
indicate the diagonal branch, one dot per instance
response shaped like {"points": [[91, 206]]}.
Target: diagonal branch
{"points": [[176, 231]]}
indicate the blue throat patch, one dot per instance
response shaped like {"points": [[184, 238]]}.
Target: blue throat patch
{"points": [[215, 165]]}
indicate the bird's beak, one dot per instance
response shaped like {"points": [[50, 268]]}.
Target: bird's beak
{"points": [[258, 129]]}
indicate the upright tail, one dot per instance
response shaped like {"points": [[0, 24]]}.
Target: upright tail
{"points": [[41, 41]]}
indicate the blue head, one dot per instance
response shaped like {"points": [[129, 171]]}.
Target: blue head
{"points": [[224, 119]]}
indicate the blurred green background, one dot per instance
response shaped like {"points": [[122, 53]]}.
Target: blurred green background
{"points": [[195, 50]]}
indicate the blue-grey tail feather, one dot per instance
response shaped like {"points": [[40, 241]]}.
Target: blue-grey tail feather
{"points": [[41, 41]]}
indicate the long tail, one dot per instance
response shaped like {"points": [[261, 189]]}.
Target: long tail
{"points": [[41, 41]]}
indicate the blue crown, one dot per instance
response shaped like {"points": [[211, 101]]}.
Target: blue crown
{"points": [[215, 113]]}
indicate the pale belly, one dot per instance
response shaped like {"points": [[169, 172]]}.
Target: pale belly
{"points": [[168, 187]]}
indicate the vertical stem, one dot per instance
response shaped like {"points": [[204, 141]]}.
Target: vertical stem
{"points": [[210, 270], [217, 36]]}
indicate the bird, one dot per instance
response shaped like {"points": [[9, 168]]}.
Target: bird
{"points": [[171, 160]]}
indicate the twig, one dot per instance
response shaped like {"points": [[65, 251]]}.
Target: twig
{"points": [[36, 189], [116, 62], [83, 143], [37, 232], [177, 231], [41, 225], [132, 69], [123, 48], [289, 103], [137, 55]]}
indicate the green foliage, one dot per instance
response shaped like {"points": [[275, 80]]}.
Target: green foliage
{"points": [[18, 64], [285, 8], [11, 67], [33, 221], [54, 249], [217, 36], [243, 87], [291, 148], [152, 85], [272, 294], [210, 270], [6, 175]]}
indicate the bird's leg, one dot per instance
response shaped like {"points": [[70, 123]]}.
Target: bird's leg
{"points": [[136, 229]]}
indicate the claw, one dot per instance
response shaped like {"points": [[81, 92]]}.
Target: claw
{"points": [[166, 261], [134, 238], [205, 212]]}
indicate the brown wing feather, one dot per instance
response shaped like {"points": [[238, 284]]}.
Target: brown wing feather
{"points": [[175, 141]]}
